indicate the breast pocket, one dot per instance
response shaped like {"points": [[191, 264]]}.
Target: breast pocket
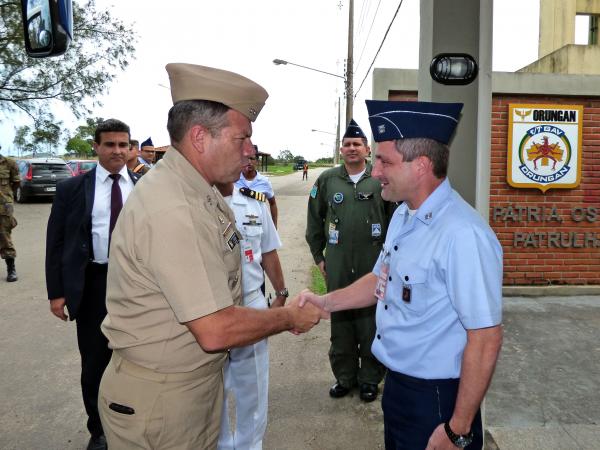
{"points": [[413, 293], [252, 233]]}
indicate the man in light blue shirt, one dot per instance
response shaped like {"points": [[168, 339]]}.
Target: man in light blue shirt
{"points": [[437, 285]]}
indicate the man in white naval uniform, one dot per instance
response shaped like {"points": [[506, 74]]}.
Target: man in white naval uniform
{"points": [[247, 371]]}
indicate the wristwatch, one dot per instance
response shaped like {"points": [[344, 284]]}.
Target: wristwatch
{"points": [[460, 440], [282, 293]]}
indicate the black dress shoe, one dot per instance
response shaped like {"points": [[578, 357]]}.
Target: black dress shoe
{"points": [[368, 392], [97, 443], [337, 390]]}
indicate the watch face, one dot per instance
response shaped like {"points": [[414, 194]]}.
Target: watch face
{"points": [[462, 441]]}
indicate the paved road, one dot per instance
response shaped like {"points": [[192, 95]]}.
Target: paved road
{"points": [[544, 395]]}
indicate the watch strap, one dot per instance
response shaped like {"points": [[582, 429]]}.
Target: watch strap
{"points": [[460, 440]]}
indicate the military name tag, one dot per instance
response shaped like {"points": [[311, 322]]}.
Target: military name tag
{"points": [[233, 240], [231, 236]]}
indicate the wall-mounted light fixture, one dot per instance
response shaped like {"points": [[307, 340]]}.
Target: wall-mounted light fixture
{"points": [[453, 68]]}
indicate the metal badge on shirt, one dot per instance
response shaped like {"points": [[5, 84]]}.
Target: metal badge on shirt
{"points": [[232, 236], [252, 220], [365, 195]]}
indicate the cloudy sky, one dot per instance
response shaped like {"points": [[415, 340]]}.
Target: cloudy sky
{"points": [[245, 36]]}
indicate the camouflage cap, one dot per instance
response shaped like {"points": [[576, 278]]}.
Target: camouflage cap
{"points": [[193, 82]]}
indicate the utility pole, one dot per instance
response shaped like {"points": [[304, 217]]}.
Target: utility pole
{"points": [[336, 150], [350, 65]]}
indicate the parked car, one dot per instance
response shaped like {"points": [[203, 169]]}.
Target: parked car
{"points": [[80, 166], [39, 177]]}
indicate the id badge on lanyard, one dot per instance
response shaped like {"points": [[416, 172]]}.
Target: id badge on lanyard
{"points": [[247, 251], [384, 271]]}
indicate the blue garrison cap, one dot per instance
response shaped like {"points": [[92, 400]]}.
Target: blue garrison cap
{"points": [[404, 120], [147, 143], [353, 131]]}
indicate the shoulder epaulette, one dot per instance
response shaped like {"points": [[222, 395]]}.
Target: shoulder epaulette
{"points": [[138, 168], [253, 194]]}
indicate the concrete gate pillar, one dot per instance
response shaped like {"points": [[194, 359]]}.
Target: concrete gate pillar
{"points": [[462, 26]]}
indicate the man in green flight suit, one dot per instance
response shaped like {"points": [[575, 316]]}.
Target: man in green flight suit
{"points": [[9, 180], [345, 230]]}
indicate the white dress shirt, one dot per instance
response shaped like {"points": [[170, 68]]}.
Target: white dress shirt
{"points": [[101, 209]]}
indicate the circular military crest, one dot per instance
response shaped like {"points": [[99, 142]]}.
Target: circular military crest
{"points": [[338, 197], [544, 154]]}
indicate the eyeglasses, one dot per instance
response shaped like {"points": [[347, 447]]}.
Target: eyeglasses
{"points": [[253, 158]]}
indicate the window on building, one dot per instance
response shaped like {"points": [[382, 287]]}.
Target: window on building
{"points": [[586, 29]]}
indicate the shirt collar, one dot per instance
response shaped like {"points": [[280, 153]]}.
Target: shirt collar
{"points": [[102, 174], [187, 173], [237, 198], [367, 172], [430, 208]]}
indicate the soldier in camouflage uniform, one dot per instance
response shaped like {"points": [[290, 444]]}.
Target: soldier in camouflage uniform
{"points": [[346, 227], [9, 180]]}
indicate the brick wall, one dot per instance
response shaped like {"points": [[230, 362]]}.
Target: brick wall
{"points": [[558, 232]]}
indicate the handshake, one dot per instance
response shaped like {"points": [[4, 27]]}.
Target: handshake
{"points": [[306, 310]]}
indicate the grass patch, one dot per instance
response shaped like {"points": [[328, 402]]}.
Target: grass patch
{"points": [[317, 282], [284, 169]]}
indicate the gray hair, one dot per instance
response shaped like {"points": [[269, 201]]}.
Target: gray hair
{"points": [[187, 113], [437, 153]]}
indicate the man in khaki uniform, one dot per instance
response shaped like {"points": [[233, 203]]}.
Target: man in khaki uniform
{"points": [[9, 180], [174, 281]]}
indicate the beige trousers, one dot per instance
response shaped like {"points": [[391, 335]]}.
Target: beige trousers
{"points": [[143, 409]]}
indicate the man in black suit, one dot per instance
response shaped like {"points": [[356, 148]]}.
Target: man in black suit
{"points": [[83, 215]]}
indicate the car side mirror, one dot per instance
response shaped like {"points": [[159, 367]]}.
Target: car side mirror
{"points": [[47, 26]]}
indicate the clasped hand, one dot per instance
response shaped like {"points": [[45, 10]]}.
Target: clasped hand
{"points": [[308, 310]]}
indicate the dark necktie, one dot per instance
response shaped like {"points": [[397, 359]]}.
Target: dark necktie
{"points": [[116, 202]]}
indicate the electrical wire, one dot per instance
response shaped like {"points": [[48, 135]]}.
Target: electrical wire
{"points": [[379, 49], [364, 11], [368, 35]]}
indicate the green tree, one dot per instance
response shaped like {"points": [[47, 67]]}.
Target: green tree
{"points": [[48, 132], [102, 47], [22, 140], [285, 156], [299, 158], [79, 147], [81, 143], [87, 131], [324, 160]]}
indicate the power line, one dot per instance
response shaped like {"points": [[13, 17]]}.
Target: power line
{"points": [[368, 35], [366, 6], [379, 49]]}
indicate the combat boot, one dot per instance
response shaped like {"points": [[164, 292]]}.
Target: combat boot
{"points": [[11, 270]]}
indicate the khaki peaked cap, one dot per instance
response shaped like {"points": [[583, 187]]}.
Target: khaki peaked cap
{"points": [[193, 82]]}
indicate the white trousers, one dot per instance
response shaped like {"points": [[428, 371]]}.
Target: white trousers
{"points": [[247, 383]]}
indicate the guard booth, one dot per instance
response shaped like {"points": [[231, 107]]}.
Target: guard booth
{"points": [[159, 152]]}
